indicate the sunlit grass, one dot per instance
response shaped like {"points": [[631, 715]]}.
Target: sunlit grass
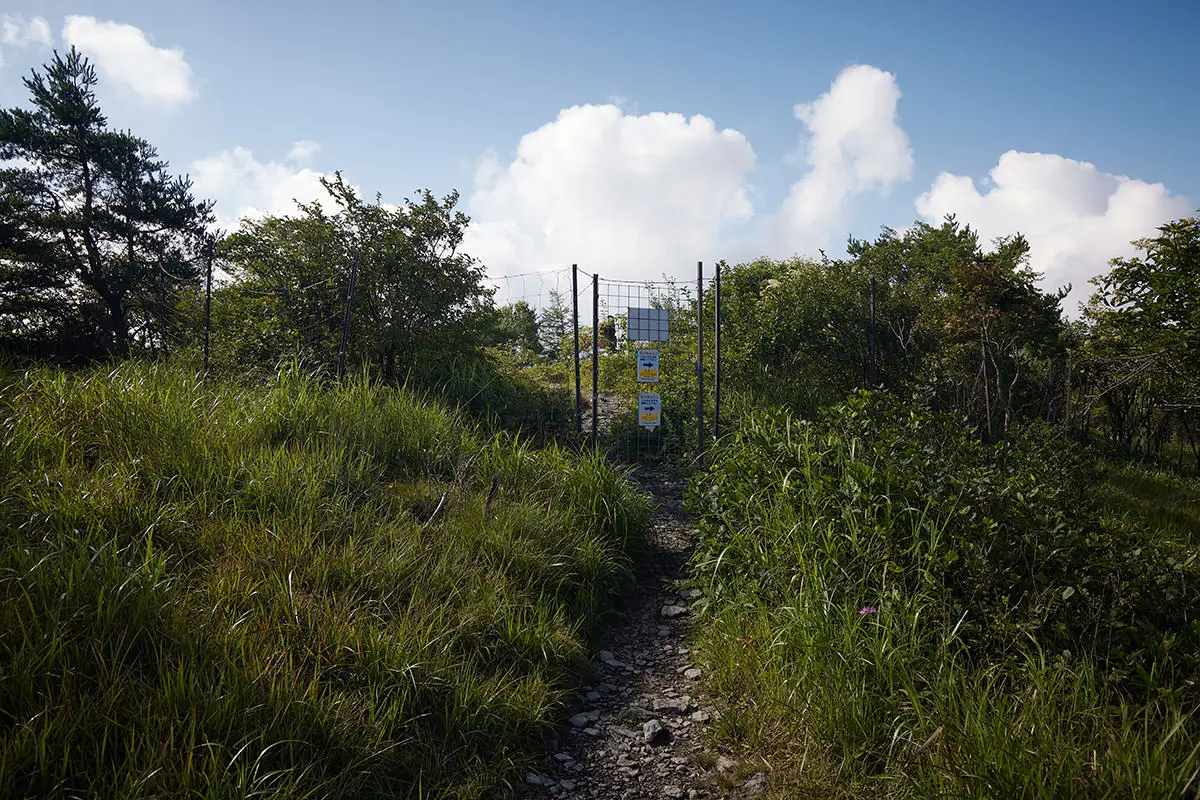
{"points": [[301, 590], [1158, 497], [894, 612]]}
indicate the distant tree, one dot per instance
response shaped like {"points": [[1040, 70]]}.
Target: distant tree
{"points": [[417, 299], [969, 327], [608, 333], [555, 326], [1141, 359], [516, 326], [97, 239]]}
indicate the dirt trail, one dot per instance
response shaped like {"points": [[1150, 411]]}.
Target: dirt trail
{"points": [[638, 730]]}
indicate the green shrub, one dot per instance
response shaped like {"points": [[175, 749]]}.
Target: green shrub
{"points": [[906, 609]]}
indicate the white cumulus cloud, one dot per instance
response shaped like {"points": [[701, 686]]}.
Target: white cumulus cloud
{"points": [[19, 32], [854, 145], [244, 187], [626, 195], [633, 195], [1075, 217], [303, 151], [125, 57]]}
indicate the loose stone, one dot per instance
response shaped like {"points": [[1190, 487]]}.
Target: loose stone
{"points": [[756, 784], [655, 733]]}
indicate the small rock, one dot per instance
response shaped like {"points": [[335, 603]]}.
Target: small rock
{"points": [[672, 791], [621, 730], [567, 784], [672, 610], [533, 779], [691, 673], [756, 784], [655, 733], [639, 711], [584, 718], [592, 696], [726, 764], [563, 757], [701, 716], [673, 705], [606, 657]]}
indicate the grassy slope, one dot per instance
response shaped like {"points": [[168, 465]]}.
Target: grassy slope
{"points": [[1156, 497], [211, 590], [847, 667]]}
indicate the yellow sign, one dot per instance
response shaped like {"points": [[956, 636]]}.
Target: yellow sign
{"points": [[647, 366], [649, 410]]}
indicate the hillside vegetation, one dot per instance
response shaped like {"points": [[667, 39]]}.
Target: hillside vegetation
{"points": [[299, 590], [899, 610]]}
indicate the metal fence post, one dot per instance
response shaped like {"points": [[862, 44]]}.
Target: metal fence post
{"points": [[874, 370], [717, 356], [346, 318], [211, 246], [596, 362], [699, 357], [575, 325]]}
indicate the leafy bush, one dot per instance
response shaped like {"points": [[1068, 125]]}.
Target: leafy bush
{"points": [[913, 608], [893, 502]]}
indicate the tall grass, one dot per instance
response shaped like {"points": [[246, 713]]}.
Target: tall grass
{"points": [[218, 591], [898, 611], [1167, 499]]}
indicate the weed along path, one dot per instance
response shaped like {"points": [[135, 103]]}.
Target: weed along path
{"points": [[638, 727]]}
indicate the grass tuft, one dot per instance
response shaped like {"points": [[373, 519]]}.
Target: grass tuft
{"points": [[216, 590]]}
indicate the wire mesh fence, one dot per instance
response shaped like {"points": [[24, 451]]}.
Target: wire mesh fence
{"points": [[641, 366], [628, 354]]}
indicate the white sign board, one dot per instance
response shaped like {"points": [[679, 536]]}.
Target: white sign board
{"points": [[647, 366], [649, 410], [647, 324]]}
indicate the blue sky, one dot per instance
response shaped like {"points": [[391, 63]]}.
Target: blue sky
{"points": [[401, 96]]}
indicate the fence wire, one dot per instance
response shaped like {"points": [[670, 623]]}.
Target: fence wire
{"points": [[630, 414]]}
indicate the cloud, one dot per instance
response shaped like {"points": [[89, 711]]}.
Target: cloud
{"points": [[17, 32], [303, 151], [633, 195], [623, 194], [244, 187], [855, 145], [124, 56], [1075, 217]]}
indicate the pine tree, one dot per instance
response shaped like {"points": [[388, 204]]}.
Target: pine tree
{"points": [[554, 326], [97, 238]]}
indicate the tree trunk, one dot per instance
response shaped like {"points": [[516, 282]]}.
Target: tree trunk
{"points": [[987, 403]]}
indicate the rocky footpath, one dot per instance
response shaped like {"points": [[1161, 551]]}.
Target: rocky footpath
{"points": [[639, 728]]}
